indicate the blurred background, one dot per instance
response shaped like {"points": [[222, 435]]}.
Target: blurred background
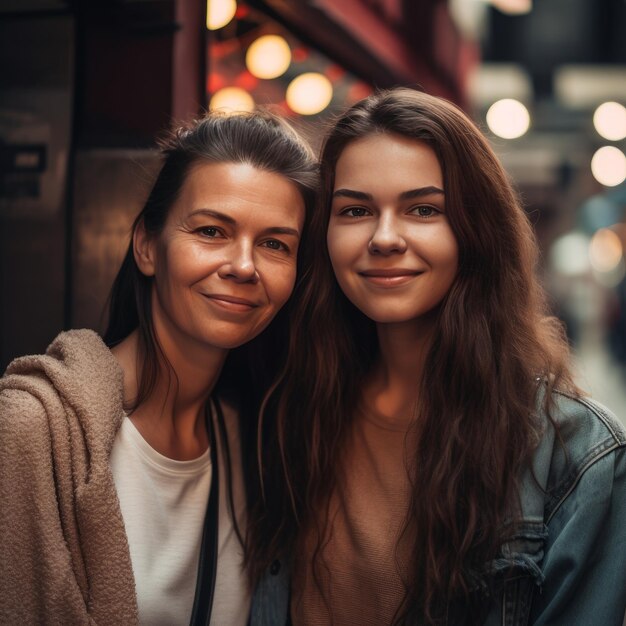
{"points": [[85, 86]]}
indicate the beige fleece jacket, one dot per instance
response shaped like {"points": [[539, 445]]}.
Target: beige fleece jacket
{"points": [[64, 555]]}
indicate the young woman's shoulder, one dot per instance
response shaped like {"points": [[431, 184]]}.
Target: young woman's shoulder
{"points": [[581, 432], [580, 490], [584, 419]]}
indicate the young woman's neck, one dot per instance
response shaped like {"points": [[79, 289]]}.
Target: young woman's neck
{"points": [[171, 418], [392, 391]]}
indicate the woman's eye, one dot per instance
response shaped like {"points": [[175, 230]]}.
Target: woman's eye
{"points": [[209, 231], [274, 244], [355, 211], [424, 211]]}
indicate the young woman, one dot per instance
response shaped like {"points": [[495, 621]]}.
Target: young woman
{"points": [[109, 454], [429, 459]]}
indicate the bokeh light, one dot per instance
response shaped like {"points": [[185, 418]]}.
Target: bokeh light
{"points": [[605, 250], [508, 118], [610, 121], [513, 7], [569, 254], [219, 13], [268, 56], [231, 100], [309, 93], [608, 166]]}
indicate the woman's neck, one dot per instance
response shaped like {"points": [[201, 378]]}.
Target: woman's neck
{"points": [[392, 390], [171, 418]]}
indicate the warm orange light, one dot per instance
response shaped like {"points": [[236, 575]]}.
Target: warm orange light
{"points": [[219, 13], [513, 7], [232, 100], [605, 250], [268, 56], [309, 93]]}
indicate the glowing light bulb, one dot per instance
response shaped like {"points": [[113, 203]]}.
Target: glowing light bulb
{"points": [[219, 13], [608, 166], [610, 121], [232, 100], [268, 57], [508, 118], [309, 93]]}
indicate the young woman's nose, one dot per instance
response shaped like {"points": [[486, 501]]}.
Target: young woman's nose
{"points": [[387, 238], [240, 265]]}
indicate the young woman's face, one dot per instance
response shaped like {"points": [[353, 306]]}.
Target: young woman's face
{"points": [[225, 262], [390, 243]]}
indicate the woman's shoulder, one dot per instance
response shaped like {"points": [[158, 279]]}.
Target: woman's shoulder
{"points": [[579, 435], [77, 372], [22, 418], [68, 348], [585, 427]]}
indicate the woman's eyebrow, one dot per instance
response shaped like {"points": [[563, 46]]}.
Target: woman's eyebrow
{"points": [[405, 195], [216, 214], [349, 193], [418, 193], [282, 230], [272, 230]]}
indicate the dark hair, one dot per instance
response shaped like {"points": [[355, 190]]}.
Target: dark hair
{"points": [[260, 139], [476, 421]]}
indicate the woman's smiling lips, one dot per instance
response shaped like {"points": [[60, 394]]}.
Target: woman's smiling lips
{"points": [[231, 303], [392, 277]]}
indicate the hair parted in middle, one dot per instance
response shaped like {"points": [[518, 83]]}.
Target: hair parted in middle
{"points": [[476, 423]]}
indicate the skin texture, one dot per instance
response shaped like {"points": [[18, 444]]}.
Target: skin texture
{"points": [[408, 236], [220, 279], [394, 255], [223, 266]]}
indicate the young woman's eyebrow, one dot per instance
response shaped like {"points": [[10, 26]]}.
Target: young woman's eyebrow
{"points": [[355, 195], [405, 195], [421, 192]]}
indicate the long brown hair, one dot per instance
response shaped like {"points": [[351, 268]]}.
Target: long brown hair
{"points": [[494, 340]]}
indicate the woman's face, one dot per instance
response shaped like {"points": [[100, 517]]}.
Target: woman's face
{"points": [[225, 262], [390, 243]]}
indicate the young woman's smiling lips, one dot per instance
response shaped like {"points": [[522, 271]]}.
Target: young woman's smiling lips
{"points": [[393, 277]]}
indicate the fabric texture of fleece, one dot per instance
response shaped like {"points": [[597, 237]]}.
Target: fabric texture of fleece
{"points": [[64, 556]]}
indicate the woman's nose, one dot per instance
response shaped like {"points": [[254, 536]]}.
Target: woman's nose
{"points": [[387, 238], [240, 265]]}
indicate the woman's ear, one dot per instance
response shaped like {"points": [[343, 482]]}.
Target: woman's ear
{"points": [[144, 250]]}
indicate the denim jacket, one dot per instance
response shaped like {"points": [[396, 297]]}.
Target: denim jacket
{"points": [[566, 564]]}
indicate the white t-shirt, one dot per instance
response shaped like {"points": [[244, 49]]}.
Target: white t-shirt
{"points": [[163, 503]]}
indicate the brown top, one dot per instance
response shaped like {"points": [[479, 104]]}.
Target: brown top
{"points": [[363, 559], [63, 546]]}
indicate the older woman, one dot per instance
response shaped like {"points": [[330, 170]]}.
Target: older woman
{"points": [[111, 450]]}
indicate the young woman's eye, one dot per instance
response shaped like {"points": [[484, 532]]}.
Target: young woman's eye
{"points": [[275, 244], [424, 210], [355, 211]]}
